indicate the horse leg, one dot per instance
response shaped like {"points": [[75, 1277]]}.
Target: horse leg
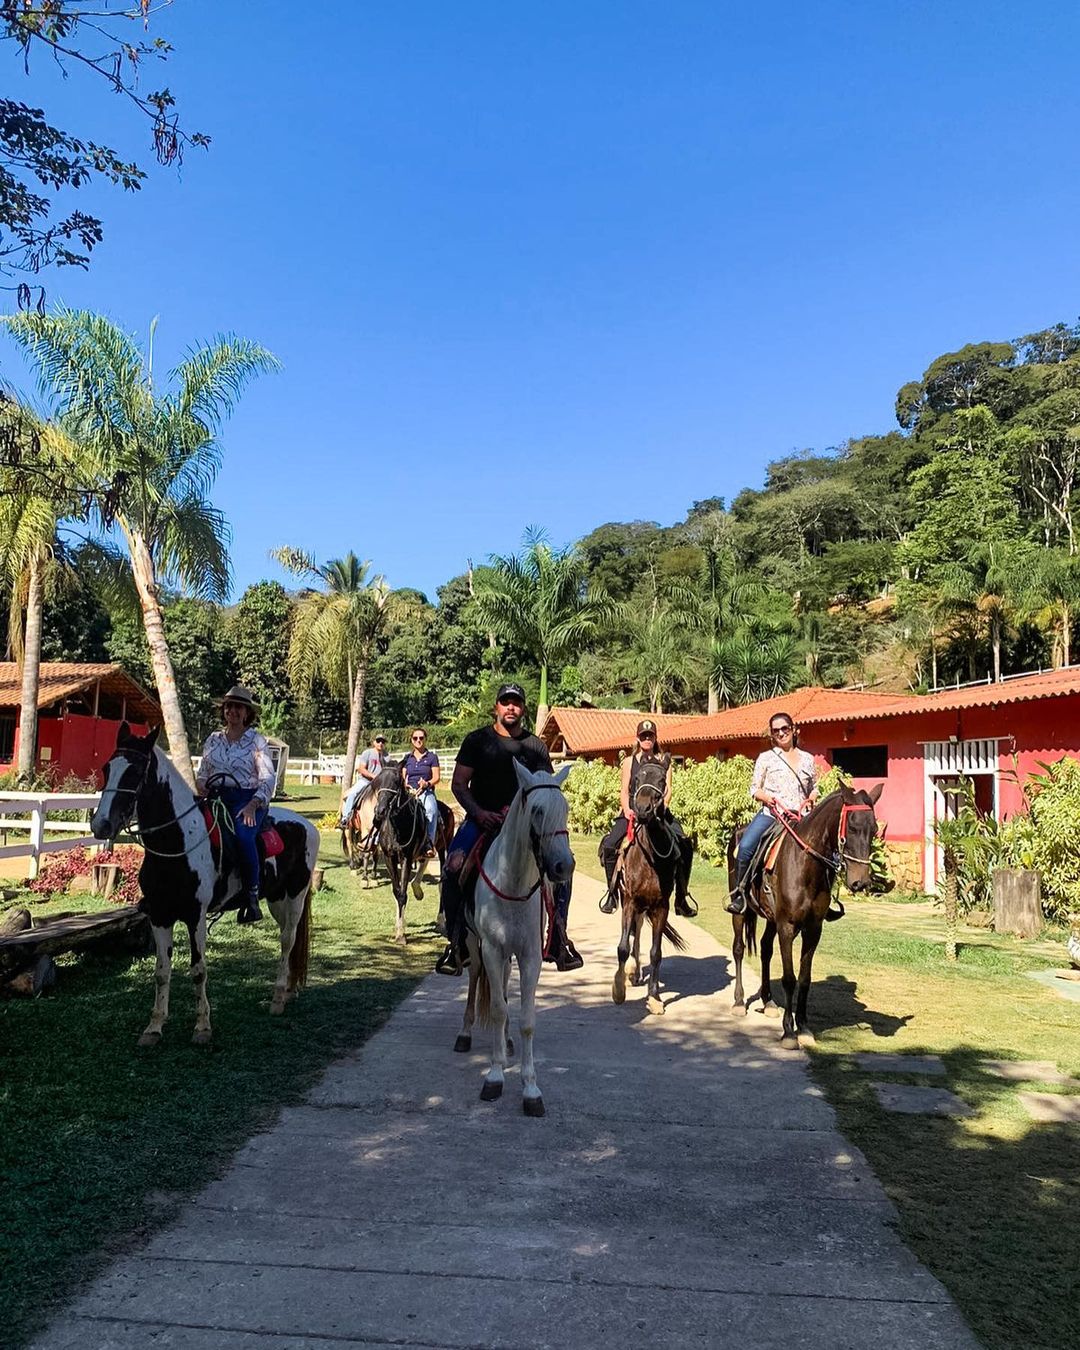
{"points": [[417, 885], [738, 949], [162, 975], [463, 1044], [653, 1001], [764, 993], [401, 895], [635, 953], [506, 1000], [202, 1033], [618, 987], [532, 1102], [810, 939], [287, 913], [496, 974], [786, 934]]}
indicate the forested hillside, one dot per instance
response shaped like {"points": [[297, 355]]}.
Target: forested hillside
{"points": [[942, 549]]}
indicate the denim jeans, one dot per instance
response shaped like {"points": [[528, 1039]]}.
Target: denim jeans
{"points": [[247, 849], [760, 825], [430, 803]]}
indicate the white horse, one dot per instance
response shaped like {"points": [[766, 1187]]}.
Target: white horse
{"points": [[532, 847], [182, 876]]}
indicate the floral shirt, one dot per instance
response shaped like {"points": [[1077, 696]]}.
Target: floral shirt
{"points": [[248, 760], [772, 773]]}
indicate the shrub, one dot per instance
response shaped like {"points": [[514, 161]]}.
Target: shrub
{"points": [[712, 800], [60, 869], [592, 793], [1047, 836]]}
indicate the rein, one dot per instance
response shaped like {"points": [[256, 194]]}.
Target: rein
{"points": [[842, 855], [138, 833], [535, 838]]}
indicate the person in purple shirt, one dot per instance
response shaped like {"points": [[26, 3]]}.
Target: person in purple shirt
{"points": [[421, 773]]}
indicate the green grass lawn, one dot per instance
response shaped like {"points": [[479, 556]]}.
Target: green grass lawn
{"points": [[990, 1203], [100, 1142]]}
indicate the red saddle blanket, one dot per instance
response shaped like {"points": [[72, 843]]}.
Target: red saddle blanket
{"points": [[271, 842]]}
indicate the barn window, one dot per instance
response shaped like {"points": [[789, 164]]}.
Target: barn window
{"points": [[7, 737], [862, 761]]}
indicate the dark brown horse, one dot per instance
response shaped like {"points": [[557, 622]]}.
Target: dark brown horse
{"points": [[794, 898], [646, 879]]}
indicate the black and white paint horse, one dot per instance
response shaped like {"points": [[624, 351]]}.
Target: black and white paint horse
{"points": [[183, 877], [401, 828]]}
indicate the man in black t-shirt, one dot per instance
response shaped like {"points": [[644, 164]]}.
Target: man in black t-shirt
{"points": [[485, 784]]}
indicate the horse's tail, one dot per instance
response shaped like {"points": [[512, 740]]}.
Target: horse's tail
{"points": [[750, 930], [674, 938], [301, 948], [482, 1011]]}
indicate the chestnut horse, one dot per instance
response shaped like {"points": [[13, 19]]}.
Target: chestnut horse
{"points": [[646, 879], [794, 898]]}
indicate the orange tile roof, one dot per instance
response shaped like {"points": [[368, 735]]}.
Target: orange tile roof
{"points": [[586, 728], [815, 705], [58, 680]]}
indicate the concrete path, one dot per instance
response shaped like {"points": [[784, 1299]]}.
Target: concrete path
{"points": [[688, 1187]]}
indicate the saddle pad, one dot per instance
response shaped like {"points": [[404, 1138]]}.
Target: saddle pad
{"points": [[213, 829], [772, 850]]}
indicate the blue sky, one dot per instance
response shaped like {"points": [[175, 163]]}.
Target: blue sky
{"points": [[581, 261]]}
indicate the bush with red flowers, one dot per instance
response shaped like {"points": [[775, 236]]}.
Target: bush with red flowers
{"points": [[60, 869]]}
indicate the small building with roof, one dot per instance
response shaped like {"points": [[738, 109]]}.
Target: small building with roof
{"points": [[918, 745], [80, 708]]}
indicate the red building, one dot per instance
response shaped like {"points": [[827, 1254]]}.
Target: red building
{"points": [[80, 708], [916, 745]]}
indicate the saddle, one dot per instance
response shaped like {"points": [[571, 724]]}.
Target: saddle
{"points": [[755, 884], [268, 841]]}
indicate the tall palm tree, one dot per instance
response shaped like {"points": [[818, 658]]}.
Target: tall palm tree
{"points": [[753, 664], [727, 597], [538, 599], [339, 618], [147, 459], [1054, 598]]}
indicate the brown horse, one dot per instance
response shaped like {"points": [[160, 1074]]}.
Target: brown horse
{"points": [[646, 878], [794, 898]]}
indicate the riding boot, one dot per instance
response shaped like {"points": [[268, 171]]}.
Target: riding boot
{"points": [[452, 961], [609, 903], [737, 900], [685, 904], [249, 911], [562, 952]]}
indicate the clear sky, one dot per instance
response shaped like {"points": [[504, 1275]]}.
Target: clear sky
{"points": [[582, 261]]}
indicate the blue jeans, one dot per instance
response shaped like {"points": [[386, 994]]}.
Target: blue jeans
{"points": [[246, 848], [353, 796], [430, 803], [759, 826]]}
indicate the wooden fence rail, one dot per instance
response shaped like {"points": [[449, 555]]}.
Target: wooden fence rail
{"points": [[35, 821]]}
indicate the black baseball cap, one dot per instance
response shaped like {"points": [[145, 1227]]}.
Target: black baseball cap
{"points": [[646, 728], [509, 691]]}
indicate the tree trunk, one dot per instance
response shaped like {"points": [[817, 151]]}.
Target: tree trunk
{"points": [[714, 698], [542, 708], [142, 568], [1066, 622], [995, 642], [933, 661], [951, 904], [31, 669], [356, 719]]}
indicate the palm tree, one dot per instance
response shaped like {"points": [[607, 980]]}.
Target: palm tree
{"points": [[1054, 598], [753, 664], [538, 599], [339, 618], [148, 460], [727, 597]]}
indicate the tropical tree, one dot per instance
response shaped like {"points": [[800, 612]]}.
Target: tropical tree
{"points": [[726, 599], [539, 600], [147, 460], [751, 664], [339, 618]]}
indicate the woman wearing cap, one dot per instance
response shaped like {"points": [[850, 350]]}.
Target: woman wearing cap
{"points": [[242, 756], [369, 765], [647, 752], [785, 779]]}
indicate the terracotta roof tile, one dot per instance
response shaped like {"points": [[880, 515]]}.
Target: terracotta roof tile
{"points": [[64, 679], [577, 729]]}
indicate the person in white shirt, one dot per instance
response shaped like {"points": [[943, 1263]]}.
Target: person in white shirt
{"points": [[369, 765]]}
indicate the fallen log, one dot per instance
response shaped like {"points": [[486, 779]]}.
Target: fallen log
{"points": [[15, 921], [120, 929]]}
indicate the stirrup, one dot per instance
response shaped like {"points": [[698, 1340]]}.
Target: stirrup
{"points": [[608, 902], [687, 907], [450, 963], [568, 958], [733, 906]]}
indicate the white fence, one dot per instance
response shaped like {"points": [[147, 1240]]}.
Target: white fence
{"points": [[310, 771], [38, 805]]}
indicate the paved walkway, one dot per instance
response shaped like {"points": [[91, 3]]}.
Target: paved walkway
{"points": [[688, 1187]]}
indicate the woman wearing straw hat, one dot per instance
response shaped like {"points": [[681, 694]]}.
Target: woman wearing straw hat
{"points": [[242, 757]]}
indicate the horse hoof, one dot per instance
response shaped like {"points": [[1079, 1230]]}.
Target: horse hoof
{"points": [[509, 1047], [772, 1010], [148, 1040], [789, 1041], [400, 940], [277, 1006], [491, 1092], [533, 1106], [654, 1004], [740, 1009], [805, 1036], [417, 890], [618, 988], [463, 1045], [202, 1037]]}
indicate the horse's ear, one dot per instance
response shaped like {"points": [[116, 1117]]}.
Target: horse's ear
{"points": [[123, 735], [562, 774], [524, 777], [875, 792], [151, 739]]}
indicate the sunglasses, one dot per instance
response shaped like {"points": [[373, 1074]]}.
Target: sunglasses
{"points": [[780, 731], [419, 738], [380, 740]]}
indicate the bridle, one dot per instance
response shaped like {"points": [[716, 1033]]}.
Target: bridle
{"points": [[138, 833], [399, 790], [841, 855], [841, 835], [535, 837]]}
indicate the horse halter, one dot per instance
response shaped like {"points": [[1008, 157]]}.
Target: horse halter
{"points": [[841, 834], [138, 832], [534, 836]]}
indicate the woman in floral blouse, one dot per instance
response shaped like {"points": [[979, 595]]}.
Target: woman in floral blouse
{"points": [[785, 779], [243, 756]]}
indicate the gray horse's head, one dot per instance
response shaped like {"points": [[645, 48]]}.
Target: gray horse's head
{"points": [[545, 809]]}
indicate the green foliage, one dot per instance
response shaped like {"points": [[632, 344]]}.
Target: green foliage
{"points": [[711, 800], [1047, 837], [259, 631], [971, 847], [592, 794]]}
